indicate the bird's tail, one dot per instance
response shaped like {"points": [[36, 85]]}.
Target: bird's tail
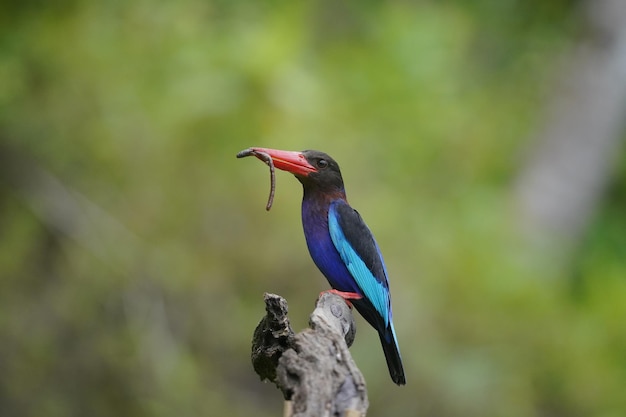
{"points": [[392, 354]]}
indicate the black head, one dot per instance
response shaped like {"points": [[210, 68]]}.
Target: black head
{"points": [[327, 175]]}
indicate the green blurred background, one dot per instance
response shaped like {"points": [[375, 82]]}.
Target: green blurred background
{"points": [[135, 249]]}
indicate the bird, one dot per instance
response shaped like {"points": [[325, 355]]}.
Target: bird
{"points": [[341, 245]]}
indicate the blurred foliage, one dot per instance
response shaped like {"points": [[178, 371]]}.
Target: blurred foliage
{"points": [[138, 296]]}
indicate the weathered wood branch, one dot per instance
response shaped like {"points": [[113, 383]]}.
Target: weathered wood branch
{"points": [[313, 369]]}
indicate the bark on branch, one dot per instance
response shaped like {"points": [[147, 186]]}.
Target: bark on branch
{"points": [[313, 369]]}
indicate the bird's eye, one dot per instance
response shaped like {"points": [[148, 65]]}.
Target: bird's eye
{"points": [[322, 163]]}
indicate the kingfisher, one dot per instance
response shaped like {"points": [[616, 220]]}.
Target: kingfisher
{"points": [[341, 245]]}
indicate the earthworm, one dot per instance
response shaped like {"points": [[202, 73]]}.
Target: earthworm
{"points": [[268, 160]]}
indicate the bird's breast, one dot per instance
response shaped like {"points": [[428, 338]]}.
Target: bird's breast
{"points": [[322, 248]]}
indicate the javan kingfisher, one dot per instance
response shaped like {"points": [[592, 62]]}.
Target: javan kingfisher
{"points": [[342, 246]]}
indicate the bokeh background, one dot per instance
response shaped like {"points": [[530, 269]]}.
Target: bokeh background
{"points": [[135, 249]]}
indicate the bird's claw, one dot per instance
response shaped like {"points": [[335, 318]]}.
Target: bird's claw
{"points": [[347, 296]]}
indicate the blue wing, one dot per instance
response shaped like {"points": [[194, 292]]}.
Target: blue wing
{"points": [[361, 255]]}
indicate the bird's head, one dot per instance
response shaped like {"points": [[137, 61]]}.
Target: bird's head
{"points": [[314, 169]]}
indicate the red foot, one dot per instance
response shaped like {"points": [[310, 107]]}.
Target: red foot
{"points": [[347, 296]]}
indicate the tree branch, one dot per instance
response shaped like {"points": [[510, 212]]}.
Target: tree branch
{"points": [[313, 369], [571, 161]]}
